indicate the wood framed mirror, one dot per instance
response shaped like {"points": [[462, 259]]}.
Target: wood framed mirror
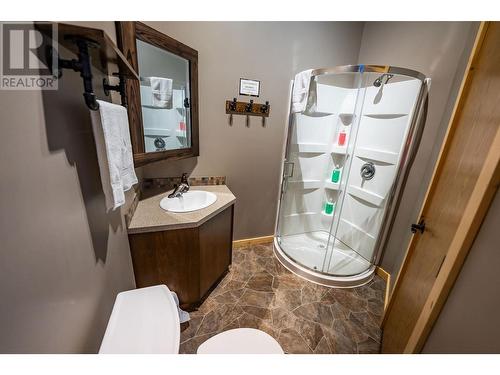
{"points": [[163, 104]]}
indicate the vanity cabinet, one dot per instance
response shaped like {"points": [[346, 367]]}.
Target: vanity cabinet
{"points": [[190, 261]]}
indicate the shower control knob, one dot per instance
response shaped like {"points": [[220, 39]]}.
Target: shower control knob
{"points": [[420, 227], [367, 171], [159, 142]]}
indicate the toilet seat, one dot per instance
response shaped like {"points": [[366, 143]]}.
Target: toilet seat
{"points": [[241, 341]]}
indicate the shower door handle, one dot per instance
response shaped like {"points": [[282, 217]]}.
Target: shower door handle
{"points": [[288, 163], [284, 183], [418, 227]]}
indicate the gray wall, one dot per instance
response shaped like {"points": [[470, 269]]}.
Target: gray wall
{"points": [[63, 259], [271, 52], [468, 322], [440, 50]]}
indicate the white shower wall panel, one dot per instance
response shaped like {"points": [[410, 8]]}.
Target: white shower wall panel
{"points": [[309, 166], [382, 134], [300, 201], [309, 129], [393, 98], [329, 98], [301, 223], [382, 130], [380, 184]]}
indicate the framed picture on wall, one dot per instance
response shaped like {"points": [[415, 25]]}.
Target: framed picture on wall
{"points": [[249, 87]]}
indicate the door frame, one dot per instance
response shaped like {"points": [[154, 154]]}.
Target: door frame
{"points": [[474, 213]]}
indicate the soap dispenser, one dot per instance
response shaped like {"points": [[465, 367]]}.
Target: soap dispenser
{"points": [[336, 175], [329, 207], [342, 138]]}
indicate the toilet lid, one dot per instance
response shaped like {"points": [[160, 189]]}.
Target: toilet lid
{"points": [[241, 341], [144, 321]]}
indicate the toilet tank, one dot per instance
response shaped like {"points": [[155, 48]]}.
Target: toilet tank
{"points": [[143, 321]]}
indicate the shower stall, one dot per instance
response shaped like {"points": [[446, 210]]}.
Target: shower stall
{"points": [[345, 162]]}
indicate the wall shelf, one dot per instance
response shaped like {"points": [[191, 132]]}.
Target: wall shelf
{"points": [[365, 195], [94, 48], [377, 155], [107, 51]]}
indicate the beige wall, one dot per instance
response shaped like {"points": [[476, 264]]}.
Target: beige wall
{"points": [[440, 50], [468, 322], [62, 258], [271, 52]]}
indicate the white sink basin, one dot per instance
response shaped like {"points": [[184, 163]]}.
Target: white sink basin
{"points": [[193, 200]]}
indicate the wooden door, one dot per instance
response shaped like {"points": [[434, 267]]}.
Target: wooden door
{"points": [[464, 181]]}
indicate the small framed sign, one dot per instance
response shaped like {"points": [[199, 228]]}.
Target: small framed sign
{"points": [[249, 87]]}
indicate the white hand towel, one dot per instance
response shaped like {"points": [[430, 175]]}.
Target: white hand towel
{"points": [[178, 99], [301, 90], [114, 152], [161, 90]]}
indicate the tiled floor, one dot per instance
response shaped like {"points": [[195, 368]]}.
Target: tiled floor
{"points": [[259, 292]]}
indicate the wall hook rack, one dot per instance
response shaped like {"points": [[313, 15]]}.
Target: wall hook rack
{"points": [[234, 107]]}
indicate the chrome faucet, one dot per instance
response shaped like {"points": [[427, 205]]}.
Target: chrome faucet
{"points": [[182, 188]]}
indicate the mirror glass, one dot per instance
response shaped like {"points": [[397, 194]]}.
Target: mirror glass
{"points": [[165, 98]]}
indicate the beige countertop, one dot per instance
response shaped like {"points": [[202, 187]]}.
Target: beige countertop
{"points": [[150, 217]]}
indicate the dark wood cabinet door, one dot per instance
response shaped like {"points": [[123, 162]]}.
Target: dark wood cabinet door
{"points": [[215, 249], [189, 261]]}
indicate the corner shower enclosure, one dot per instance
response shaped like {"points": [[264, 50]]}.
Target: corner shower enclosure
{"points": [[346, 159]]}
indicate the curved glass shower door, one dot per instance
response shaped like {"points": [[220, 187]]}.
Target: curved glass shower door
{"points": [[318, 152], [342, 159]]}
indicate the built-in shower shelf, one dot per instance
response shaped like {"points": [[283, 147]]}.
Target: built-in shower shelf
{"points": [[301, 217], [346, 118], [332, 185], [336, 149], [305, 184], [314, 148], [350, 233], [157, 132], [181, 133], [377, 155], [365, 195], [310, 113], [385, 116]]}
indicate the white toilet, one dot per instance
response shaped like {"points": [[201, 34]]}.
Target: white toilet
{"points": [[146, 321]]}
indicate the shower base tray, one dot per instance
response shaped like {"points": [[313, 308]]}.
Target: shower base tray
{"points": [[310, 250]]}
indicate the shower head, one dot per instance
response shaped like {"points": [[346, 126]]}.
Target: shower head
{"points": [[378, 81]]}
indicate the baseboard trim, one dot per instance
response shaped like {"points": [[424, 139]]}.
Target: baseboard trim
{"points": [[253, 241], [386, 276]]}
